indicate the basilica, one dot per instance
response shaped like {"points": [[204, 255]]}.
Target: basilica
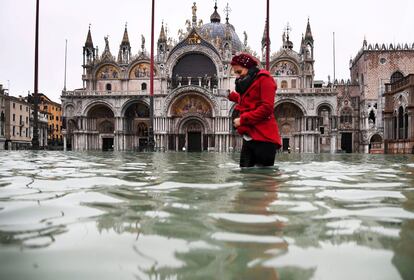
{"points": [[192, 77]]}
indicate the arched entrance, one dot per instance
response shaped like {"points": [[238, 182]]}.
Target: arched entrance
{"points": [[193, 131], [290, 121], [136, 125], [375, 145], [101, 121], [191, 115], [326, 123]]}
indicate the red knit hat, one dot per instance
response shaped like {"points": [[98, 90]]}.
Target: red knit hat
{"points": [[245, 60]]}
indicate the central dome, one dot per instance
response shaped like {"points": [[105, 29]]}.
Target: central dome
{"points": [[215, 29]]}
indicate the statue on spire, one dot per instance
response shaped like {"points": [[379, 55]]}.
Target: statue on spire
{"points": [[142, 43]]}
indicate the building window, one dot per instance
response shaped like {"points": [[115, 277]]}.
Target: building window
{"points": [[143, 86], [284, 84], [400, 122], [27, 109], [371, 117], [396, 77], [293, 83], [14, 130], [27, 119], [346, 116], [406, 126], [14, 105], [27, 132], [108, 87], [14, 117], [21, 107]]}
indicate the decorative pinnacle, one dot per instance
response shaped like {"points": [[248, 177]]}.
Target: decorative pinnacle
{"points": [[227, 11]]}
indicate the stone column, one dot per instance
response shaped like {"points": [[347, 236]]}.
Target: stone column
{"points": [[333, 144], [64, 143]]}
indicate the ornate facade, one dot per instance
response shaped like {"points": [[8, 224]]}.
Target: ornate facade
{"points": [[192, 77], [399, 115]]}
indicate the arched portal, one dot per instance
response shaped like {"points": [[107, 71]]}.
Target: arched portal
{"points": [[136, 125], [375, 144], [290, 121], [100, 119], [193, 132]]}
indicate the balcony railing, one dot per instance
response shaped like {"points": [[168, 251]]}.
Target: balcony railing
{"points": [[306, 90], [79, 93], [408, 80]]}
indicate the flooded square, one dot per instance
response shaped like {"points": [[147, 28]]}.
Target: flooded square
{"points": [[173, 215]]}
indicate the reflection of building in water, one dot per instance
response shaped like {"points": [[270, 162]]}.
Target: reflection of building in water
{"points": [[342, 116]]}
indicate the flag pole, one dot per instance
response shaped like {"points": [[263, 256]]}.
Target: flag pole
{"points": [[151, 143]]}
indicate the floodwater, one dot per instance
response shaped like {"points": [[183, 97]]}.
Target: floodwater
{"points": [[198, 216]]}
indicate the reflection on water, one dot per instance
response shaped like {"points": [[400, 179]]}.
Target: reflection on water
{"points": [[198, 216]]}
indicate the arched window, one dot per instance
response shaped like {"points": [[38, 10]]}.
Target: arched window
{"points": [[371, 117], [142, 130], [394, 124], [283, 84], [406, 125], [400, 122], [108, 87], [396, 77], [346, 116], [2, 120], [143, 86]]}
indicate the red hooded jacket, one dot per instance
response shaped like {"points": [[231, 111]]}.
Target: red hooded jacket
{"points": [[256, 109]]}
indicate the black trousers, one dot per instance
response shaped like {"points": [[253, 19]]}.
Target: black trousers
{"points": [[257, 153]]}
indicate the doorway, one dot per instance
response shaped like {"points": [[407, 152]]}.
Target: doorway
{"points": [[194, 141], [107, 144], [285, 144], [346, 142]]}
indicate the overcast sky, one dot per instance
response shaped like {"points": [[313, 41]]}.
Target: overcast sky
{"points": [[379, 20]]}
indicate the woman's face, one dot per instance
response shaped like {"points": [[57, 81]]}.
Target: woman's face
{"points": [[240, 71]]}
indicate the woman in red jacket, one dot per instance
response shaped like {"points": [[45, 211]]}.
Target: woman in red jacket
{"points": [[255, 97]]}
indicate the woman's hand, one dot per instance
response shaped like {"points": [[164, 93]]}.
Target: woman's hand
{"points": [[236, 122]]}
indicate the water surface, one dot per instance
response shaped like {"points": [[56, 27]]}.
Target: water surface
{"points": [[198, 216]]}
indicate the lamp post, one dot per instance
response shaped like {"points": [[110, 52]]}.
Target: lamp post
{"points": [[151, 126], [35, 139]]}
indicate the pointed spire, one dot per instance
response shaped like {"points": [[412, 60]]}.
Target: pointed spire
{"points": [[163, 37], [125, 39], [215, 17], [89, 43], [308, 34]]}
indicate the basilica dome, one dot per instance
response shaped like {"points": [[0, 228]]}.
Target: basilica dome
{"points": [[215, 30]]}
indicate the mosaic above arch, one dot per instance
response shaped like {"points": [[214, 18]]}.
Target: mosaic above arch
{"points": [[141, 70], [191, 104], [284, 68], [107, 72]]}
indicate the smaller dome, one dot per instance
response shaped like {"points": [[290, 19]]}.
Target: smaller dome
{"points": [[215, 17]]}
